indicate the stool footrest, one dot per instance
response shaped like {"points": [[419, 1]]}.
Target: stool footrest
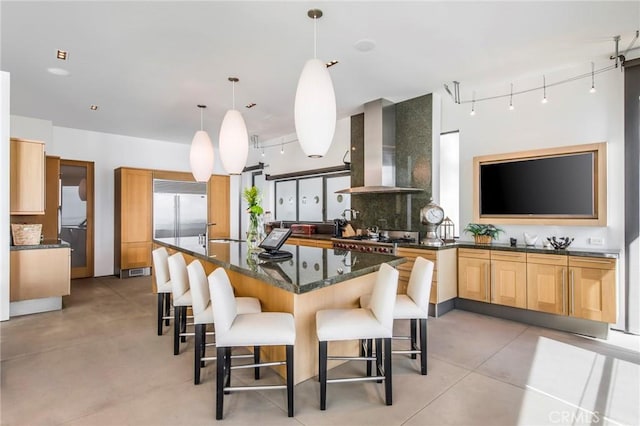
{"points": [[186, 334], [248, 388], [263, 364], [351, 358], [356, 379], [406, 351]]}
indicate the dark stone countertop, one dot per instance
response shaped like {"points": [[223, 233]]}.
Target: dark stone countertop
{"points": [[309, 269], [46, 244]]}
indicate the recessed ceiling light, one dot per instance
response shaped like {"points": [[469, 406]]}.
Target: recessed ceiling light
{"points": [[251, 105], [58, 71], [365, 45], [331, 63], [62, 54], [93, 107]]}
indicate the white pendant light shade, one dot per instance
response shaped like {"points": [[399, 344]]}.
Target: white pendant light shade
{"points": [[234, 142], [315, 109], [201, 156]]}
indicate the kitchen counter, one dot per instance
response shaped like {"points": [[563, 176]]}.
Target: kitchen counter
{"points": [[310, 268], [314, 279], [46, 244]]}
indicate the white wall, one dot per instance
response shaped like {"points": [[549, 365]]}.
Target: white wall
{"points": [[108, 152], [572, 116], [4, 195]]}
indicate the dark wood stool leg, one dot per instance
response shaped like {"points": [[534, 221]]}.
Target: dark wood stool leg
{"points": [[369, 354], [220, 382], [290, 380], [322, 372], [183, 323], [388, 390], [197, 350], [167, 307], [256, 360], [227, 367], [203, 344], [176, 330], [379, 359], [423, 346], [414, 346], [160, 312]]}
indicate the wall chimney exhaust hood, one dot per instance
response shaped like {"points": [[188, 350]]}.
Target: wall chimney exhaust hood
{"points": [[379, 151]]}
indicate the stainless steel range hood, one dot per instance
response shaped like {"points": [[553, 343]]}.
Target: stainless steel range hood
{"points": [[379, 151]]}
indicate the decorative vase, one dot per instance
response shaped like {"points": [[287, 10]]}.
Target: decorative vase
{"points": [[254, 233], [482, 239]]}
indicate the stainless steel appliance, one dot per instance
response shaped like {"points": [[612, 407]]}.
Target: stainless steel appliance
{"points": [[179, 208], [386, 245]]}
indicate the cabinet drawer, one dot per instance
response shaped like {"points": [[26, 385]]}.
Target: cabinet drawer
{"points": [[592, 262], [509, 256], [547, 259], [414, 252], [474, 253]]}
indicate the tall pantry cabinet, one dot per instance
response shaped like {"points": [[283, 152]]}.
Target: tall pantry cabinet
{"points": [[132, 219]]}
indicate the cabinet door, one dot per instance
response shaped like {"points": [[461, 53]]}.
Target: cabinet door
{"points": [[286, 200], [40, 273], [547, 288], [337, 203], [592, 294], [27, 177], [509, 283], [473, 279], [219, 210], [136, 192]]}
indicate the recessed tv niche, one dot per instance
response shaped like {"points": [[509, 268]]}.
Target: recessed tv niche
{"points": [[559, 186]]}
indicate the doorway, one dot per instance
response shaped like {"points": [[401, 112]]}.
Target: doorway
{"points": [[76, 214]]}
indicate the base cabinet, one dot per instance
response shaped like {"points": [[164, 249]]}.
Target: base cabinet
{"points": [[577, 286], [40, 273], [474, 274], [547, 283], [509, 279], [592, 289]]}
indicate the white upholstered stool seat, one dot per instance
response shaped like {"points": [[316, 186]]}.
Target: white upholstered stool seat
{"points": [[413, 306], [163, 286], [373, 322], [235, 329], [181, 299], [203, 313]]}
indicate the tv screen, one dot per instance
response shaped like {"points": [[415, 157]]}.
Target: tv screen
{"points": [[547, 186]]}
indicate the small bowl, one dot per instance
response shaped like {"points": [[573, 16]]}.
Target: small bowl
{"points": [[560, 243]]}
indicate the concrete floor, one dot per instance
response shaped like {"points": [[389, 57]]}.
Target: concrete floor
{"points": [[100, 362]]}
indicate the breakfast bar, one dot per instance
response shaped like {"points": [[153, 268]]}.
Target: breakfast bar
{"points": [[313, 279]]}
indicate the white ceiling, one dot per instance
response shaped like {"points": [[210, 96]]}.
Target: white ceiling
{"points": [[147, 64]]}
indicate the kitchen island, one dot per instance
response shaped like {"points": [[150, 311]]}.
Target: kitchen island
{"points": [[313, 279]]}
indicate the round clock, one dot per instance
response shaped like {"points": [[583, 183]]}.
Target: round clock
{"points": [[432, 216]]}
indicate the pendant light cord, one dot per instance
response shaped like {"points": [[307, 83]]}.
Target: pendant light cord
{"points": [[315, 38], [201, 118], [233, 94]]}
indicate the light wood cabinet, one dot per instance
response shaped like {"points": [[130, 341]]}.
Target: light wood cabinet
{"points": [[444, 280], [40, 273], [474, 274], [547, 283], [509, 278], [27, 177], [218, 194], [592, 288], [133, 218]]}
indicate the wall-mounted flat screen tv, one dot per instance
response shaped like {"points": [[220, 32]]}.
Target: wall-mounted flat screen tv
{"points": [[550, 186]]}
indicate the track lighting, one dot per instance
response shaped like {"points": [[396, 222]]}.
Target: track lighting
{"points": [[544, 90], [593, 80], [473, 105], [511, 99]]}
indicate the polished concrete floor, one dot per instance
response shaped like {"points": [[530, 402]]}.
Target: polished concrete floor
{"points": [[99, 362]]}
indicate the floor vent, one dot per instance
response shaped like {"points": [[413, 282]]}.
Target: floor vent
{"points": [[136, 272]]}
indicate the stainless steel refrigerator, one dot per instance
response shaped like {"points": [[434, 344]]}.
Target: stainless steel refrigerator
{"points": [[179, 208]]}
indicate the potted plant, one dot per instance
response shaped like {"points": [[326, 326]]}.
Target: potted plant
{"points": [[252, 197], [483, 234]]}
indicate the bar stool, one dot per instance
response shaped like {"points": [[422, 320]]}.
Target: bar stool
{"points": [[181, 299], [203, 314], [163, 286], [373, 322], [236, 330], [413, 306]]}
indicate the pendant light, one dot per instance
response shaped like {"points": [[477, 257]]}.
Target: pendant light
{"points": [[201, 154], [315, 104], [234, 139]]}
